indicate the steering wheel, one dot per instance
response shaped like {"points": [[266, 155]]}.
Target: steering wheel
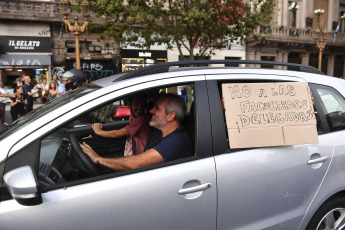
{"points": [[84, 163]]}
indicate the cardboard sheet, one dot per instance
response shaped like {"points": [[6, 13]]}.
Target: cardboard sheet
{"points": [[269, 114]]}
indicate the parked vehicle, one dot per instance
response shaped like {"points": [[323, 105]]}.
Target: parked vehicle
{"points": [[47, 182]]}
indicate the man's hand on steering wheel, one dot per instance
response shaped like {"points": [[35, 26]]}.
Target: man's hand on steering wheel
{"points": [[90, 152]]}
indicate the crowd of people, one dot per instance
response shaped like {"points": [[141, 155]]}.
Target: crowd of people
{"points": [[27, 91]]}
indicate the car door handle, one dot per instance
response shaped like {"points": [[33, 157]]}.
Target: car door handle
{"points": [[318, 160], [198, 188]]}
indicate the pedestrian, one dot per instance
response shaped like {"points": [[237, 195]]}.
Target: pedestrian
{"points": [[60, 81], [29, 91], [18, 103], [20, 79], [62, 87], [53, 91], [3, 98], [55, 79], [45, 91], [182, 91]]}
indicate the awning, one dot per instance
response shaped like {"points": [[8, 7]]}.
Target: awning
{"points": [[23, 60]]}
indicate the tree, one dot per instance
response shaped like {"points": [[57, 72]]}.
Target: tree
{"points": [[197, 25]]}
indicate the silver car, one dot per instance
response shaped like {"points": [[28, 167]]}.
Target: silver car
{"points": [[47, 182]]}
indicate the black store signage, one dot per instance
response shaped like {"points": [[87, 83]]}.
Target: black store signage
{"points": [[146, 54], [25, 44]]}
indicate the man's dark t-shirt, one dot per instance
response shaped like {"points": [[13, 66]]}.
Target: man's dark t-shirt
{"points": [[176, 145], [26, 89]]}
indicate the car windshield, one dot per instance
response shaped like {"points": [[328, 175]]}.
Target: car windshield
{"points": [[44, 109]]}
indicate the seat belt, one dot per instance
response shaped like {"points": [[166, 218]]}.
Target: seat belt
{"points": [[134, 147]]}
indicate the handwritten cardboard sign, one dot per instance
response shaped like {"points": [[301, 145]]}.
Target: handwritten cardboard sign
{"points": [[269, 114]]}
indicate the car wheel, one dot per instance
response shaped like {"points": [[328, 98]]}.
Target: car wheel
{"points": [[330, 216]]}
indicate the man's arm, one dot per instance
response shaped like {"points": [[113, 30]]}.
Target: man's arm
{"points": [[97, 128], [5, 95], [147, 158], [28, 92]]}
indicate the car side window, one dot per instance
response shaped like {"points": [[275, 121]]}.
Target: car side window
{"points": [[62, 160], [333, 106]]}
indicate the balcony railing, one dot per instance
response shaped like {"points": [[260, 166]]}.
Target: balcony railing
{"points": [[300, 35], [30, 6], [33, 11]]}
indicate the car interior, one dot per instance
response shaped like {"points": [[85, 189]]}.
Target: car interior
{"points": [[61, 157]]}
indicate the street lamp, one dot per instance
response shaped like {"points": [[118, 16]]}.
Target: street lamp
{"points": [[65, 10], [318, 13], [320, 42], [293, 8]]}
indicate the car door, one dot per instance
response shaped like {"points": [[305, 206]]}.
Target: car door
{"points": [[173, 195], [264, 188]]}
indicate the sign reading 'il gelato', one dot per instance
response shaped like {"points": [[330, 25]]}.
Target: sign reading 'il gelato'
{"points": [[11, 44], [23, 44]]}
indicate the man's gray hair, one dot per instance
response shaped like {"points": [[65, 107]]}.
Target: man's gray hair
{"points": [[177, 105]]}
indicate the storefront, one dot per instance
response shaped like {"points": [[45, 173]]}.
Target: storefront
{"points": [[93, 69], [25, 48], [135, 59]]}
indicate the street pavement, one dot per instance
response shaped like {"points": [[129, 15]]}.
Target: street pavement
{"points": [[8, 118]]}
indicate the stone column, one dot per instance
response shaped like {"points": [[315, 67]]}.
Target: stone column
{"points": [[280, 58], [285, 13], [330, 64], [305, 58], [279, 13], [250, 56], [258, 57], [285, 59], [333, 13], [302, 11]]}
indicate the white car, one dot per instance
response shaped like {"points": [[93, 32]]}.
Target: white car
{"points": [[47, 182]]}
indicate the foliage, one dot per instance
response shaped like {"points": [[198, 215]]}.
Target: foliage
{"points": [[197, 25]]}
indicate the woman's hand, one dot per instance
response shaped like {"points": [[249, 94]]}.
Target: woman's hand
{"points": [[97, 128]]}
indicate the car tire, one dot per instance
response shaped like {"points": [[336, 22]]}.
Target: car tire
{"points": [[330, 215]]}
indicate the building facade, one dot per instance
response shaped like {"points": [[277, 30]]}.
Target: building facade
{"points": [[34, 40], [295, 32]]}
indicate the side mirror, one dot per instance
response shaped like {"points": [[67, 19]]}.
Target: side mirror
{"points": [[22, 185]]}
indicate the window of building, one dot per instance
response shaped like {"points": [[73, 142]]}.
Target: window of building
{"points": [[232, 58], [267, 58]]}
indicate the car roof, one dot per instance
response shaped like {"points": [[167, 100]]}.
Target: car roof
{"points": [[188, 68], [296, 72], [165, 67]]}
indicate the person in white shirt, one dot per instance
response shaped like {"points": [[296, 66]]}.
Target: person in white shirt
{"points": [[44, 90], [3, 97]]}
